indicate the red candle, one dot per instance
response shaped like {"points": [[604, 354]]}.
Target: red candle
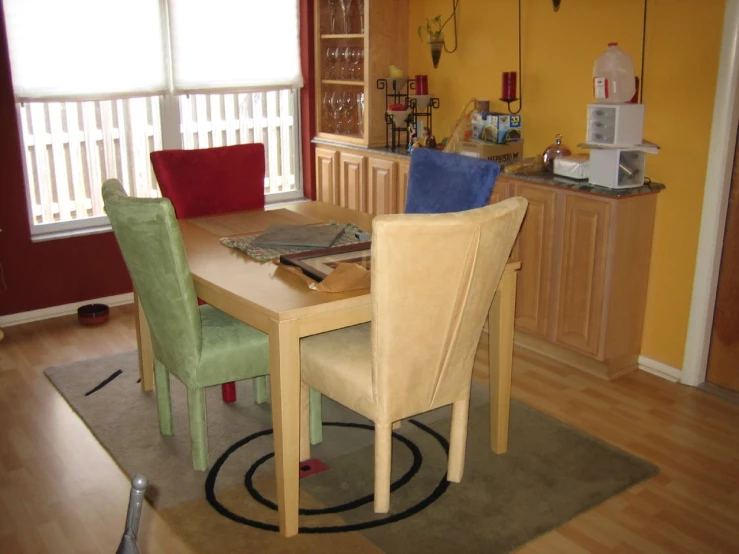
{"points": [[508, 89], [422, 84]]}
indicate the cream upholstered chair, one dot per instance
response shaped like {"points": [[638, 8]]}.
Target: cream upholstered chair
{"points": [[433, 281]]}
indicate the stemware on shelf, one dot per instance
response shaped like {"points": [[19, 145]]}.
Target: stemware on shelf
{"points": [[360, 7], [332, 55], [327, 111], [337, 107], [346, 8], [357, 59], [345, 57], [332, 8], [349, 115], [360, 113]]}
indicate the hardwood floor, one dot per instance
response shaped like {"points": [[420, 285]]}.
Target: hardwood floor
{"points": [[60, 492]]}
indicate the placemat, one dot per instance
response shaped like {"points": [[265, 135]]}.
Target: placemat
{"points": [[265, 254]]}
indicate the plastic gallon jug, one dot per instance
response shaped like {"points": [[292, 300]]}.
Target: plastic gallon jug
{"points": [[613, 76]]}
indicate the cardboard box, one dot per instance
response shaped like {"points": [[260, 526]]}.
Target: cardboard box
{"points": [[501, 153], [496, 127]]}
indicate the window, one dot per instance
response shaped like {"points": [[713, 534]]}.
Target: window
{"points": [[195, 76]]}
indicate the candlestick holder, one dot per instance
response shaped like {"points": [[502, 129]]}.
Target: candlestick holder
{"points": [[509, 101], [418, 107]]}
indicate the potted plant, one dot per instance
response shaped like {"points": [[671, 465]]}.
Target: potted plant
{"points": [[434, 37]]}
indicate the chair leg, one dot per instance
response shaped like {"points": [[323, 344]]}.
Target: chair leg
{"points": [[198, 428], [458, 439], [305, 401], [228, 392], [383, 458], [261, 389], [164, 402], [316, 417]]}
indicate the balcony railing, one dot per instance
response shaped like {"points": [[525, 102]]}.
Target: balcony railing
{"points": [[70, 148]]}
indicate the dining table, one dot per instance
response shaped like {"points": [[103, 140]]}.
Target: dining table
{"points": [[281, 304]]}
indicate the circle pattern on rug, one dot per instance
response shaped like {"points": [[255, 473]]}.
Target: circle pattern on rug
{"points": [[439, 490]]}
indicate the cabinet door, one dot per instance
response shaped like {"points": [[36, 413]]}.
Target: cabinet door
{"points": [[402, 188], [500, 192], [381, 194], [327, 175], [353, 181], [533, 249], [582, 281]]}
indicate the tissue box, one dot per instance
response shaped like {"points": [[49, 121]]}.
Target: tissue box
{"points": [[573, 167], [496, 127], [501, 153]]}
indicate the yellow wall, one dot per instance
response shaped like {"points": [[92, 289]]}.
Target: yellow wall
{"points": [[558, 51]]}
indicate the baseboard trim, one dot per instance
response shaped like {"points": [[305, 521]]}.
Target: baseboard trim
{"points": [[659, 369], [65, 309]]}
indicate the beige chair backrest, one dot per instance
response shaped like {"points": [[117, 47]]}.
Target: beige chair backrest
{"points": [[433, 280]]}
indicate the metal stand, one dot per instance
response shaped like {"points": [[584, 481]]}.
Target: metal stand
{"points": [[398, 92], [128, 544], [424, 112]]}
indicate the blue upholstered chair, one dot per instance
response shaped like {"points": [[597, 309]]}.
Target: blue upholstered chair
{"points": [[440, 182]]}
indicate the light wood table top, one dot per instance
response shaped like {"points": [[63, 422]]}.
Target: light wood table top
{"points": [[280, 304]]}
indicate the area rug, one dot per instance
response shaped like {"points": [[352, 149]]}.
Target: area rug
{"points": [[551, 472]]}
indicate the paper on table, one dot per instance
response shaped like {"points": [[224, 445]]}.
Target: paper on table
{"points": [[345, 277]]}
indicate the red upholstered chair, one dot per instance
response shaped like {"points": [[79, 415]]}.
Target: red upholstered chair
{"points": [[211, 181]]}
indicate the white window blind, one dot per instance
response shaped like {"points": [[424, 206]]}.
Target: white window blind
{"points": [[246, 45], [85, 49], [102, 49]]}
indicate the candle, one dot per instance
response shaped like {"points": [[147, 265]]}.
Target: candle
{"points": [[508, 89], [422, 84]]}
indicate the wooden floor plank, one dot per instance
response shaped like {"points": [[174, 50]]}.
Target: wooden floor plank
{"points": [[61, 492]]}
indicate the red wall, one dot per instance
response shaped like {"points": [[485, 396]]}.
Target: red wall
{"points": [[55, 272]]}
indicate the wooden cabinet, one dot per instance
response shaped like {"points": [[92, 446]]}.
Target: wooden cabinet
{"points": [[381, 187], [348, 62], [582, 278], [402, 188], [327, 175], [361, 179], [534, 248], [353, 181], [582, 285]]}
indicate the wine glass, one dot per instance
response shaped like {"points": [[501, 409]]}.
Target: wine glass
{"points": [[345, 57], [356, 74], [332, 14], [346, 8], [328, 110], [349, 115], [359, 61], [360, 7], [332, 54], [360, 112], [337, 106]]}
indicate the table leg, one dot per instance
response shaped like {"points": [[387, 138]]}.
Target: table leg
{"points": [[145, 350], [500, 353], [284, 371]]}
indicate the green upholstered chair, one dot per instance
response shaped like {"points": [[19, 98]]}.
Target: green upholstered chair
{"points": [[200, 345]]}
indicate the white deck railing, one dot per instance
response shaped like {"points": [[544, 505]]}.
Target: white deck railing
{"points": [[70, 148]]}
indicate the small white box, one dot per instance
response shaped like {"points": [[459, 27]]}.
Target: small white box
{"points": [[574, 166], [615, 124], [617, 168]]}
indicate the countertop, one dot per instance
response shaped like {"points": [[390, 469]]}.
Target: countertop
{"points": [[584, 186], [538, 178]]}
